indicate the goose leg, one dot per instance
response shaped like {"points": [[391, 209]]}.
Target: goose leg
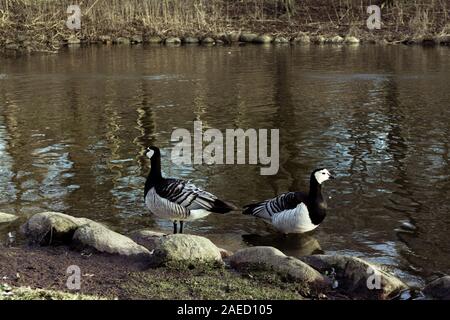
{"points": [[181, 226], [175, 227]]}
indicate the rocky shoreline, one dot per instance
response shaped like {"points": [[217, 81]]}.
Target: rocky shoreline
{"points": [[26, 44], [180, 266]]}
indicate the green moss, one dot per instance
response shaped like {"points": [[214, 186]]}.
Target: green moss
{"points": [[206, 284], [23, 293]]}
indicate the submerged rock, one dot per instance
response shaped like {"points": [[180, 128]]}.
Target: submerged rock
{"points": [[272, 259], [185, 250], [53, 227], [439, 288], [356, 277], [6, 217], [247, 37], [264, 38]]}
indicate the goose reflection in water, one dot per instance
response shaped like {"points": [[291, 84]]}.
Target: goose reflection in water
{"points": [[291, 244]]}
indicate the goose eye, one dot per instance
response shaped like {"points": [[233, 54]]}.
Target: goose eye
{"points": [[323, 172]]}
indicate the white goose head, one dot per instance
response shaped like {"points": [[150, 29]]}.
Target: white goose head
{"points": [[322, 175]]}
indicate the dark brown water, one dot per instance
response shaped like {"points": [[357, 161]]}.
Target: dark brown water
{"points": [[73, 127]]}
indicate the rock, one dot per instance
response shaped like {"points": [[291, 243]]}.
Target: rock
{"points": [[225, 253], [186, 250], [233, 36], [264, 38], [439, 288], [351, 40], [49, 227], [147, 238], [191, 40], [136, 38], [154, 39], [172, 40], [73, 40], [102, 239], [208, 40], [122, 40], [443, 39], [319, 39], [6, 217], [247, 37], [303, 39], [337, 40], [280, 40], [12, 46], [272, 259], [105, 39], [356, 277], [53, 227], [219, 42]]}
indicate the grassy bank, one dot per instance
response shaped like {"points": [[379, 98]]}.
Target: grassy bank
{"points": [[40, 24]]}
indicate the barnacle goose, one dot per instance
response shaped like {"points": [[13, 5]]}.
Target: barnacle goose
{"points": [[295, 212], [175, 199]]}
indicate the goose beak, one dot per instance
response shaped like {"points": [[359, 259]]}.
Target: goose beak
{"points": [[331, 177]]}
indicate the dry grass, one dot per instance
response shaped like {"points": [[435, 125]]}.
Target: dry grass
{"points": [[46, 18]]}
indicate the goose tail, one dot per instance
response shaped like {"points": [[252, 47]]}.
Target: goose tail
{"points": [[220, 206], [249, 208]]}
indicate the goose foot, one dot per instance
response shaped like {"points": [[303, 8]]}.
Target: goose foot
{"points": [[181, 226]]}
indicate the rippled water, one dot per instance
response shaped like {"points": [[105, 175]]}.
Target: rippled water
{"points": [[73, 127]]}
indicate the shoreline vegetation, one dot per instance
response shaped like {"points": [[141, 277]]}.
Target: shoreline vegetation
{"points": [[40, 25]]}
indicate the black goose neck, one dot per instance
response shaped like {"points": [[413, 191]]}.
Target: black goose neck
{"points": [[155, 169], [315, 188], [154, 176]]}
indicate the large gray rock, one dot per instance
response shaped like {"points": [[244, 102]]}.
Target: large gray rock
{"points": [[247, 37], [172, 41], [356, 277], [191, 40], [154, 39], [6, 217], [264, 38], [53, 227], [185, 250], [439, 288], [103, 239], [272, 259], [48, 227]]}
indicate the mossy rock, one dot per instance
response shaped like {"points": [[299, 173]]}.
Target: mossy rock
{"points": [[186, 251]]}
